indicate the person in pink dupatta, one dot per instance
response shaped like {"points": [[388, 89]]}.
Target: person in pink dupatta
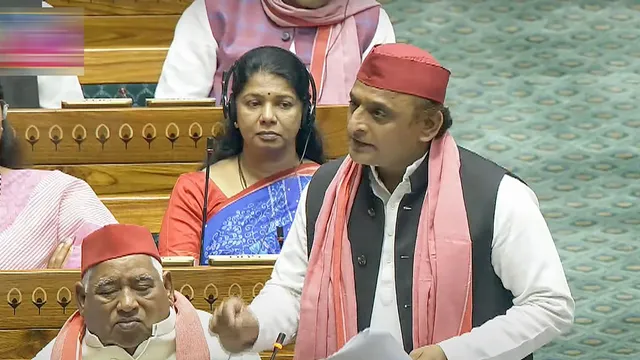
{"points": [[330, 37], [336, 55], [128, 308], [411, 235]]}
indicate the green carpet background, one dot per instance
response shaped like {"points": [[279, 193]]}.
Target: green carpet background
{"points": [[551, 90]]}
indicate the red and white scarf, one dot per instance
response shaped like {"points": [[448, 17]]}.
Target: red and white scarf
{"points": [[442, 277]]}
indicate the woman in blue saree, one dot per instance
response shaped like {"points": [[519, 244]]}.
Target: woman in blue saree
{"points": [[261, 163]]}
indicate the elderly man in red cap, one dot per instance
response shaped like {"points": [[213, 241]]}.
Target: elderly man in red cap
{"points": [[127, 307], [409, 234]]}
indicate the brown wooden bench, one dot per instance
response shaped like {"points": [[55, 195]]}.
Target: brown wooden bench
{"points": [[39, 302], [132, 157], [126, 41]]}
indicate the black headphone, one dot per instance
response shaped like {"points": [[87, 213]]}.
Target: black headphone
{"points": [[229, 105]]}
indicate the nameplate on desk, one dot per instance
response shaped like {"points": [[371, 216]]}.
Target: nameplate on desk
{"points": [[230, 260], [98, 103], [211, 102], [178, 261]]}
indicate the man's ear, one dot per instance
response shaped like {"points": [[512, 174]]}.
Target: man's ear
{"points": [[433, 121], [168, 285], [81, 297]]}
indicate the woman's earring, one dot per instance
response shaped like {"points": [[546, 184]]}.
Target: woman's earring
{"points": [[235, 123]]}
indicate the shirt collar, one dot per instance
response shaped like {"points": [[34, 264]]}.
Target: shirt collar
{"points": [[375, 177], [159, 329]]}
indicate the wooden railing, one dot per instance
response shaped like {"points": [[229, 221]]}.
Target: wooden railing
{"points": [[132, 157]]}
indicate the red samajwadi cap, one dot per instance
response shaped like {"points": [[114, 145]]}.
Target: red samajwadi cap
{"points": [[406, 69], [115, 241]]}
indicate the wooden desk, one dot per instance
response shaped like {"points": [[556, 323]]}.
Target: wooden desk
{"points": [[39, 302]]}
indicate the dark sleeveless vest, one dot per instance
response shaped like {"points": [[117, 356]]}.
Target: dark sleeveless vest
{"points": [[480, 180]]}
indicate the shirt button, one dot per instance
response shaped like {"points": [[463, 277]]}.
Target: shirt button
{"points": [[371, 212], [362, 260], [286, 36]]}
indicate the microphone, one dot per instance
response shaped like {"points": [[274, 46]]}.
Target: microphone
{"points": [[280, 235], [277, 346], [205, 203]]}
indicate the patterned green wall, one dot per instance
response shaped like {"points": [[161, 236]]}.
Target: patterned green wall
{"points": [[551, 90]]}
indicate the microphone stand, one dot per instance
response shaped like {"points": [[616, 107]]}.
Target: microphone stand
{"points": [[205, 203], [280, 235]]}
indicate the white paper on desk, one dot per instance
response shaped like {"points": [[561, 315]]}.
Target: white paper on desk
{"points": [[371, 345]]}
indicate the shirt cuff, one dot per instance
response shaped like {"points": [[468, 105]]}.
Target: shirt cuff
{"points": [[453, 349], [265, 339]]}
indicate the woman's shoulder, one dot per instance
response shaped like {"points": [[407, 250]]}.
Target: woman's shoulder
{"points": [[225, 164], [49, 183], [60, 178], [308, 167], [198, 176], [194, 179], [189, 188]]}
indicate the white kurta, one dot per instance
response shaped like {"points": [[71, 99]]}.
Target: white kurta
{"points": [[524, 257], [52, 90], [160, 346], [190, 66]]}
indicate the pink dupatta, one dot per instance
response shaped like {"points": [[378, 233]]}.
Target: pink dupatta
{"points": [[442, 262], [336, 56], [191, 343]]}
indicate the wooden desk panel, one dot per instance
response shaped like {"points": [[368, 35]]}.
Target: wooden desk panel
{"points": [[139, 135], [123, 65], [128, 180], [143, 211], [126, 7], [129, 31]]}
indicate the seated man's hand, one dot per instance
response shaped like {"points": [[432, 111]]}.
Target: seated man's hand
{"points": [[235, 325], [431, 352]]}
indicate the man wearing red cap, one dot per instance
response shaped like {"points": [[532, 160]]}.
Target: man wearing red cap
{"points": [[127, 307], [409, 234]]}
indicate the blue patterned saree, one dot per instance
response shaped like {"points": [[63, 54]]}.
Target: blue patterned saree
{"points": [[246, 223]]}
